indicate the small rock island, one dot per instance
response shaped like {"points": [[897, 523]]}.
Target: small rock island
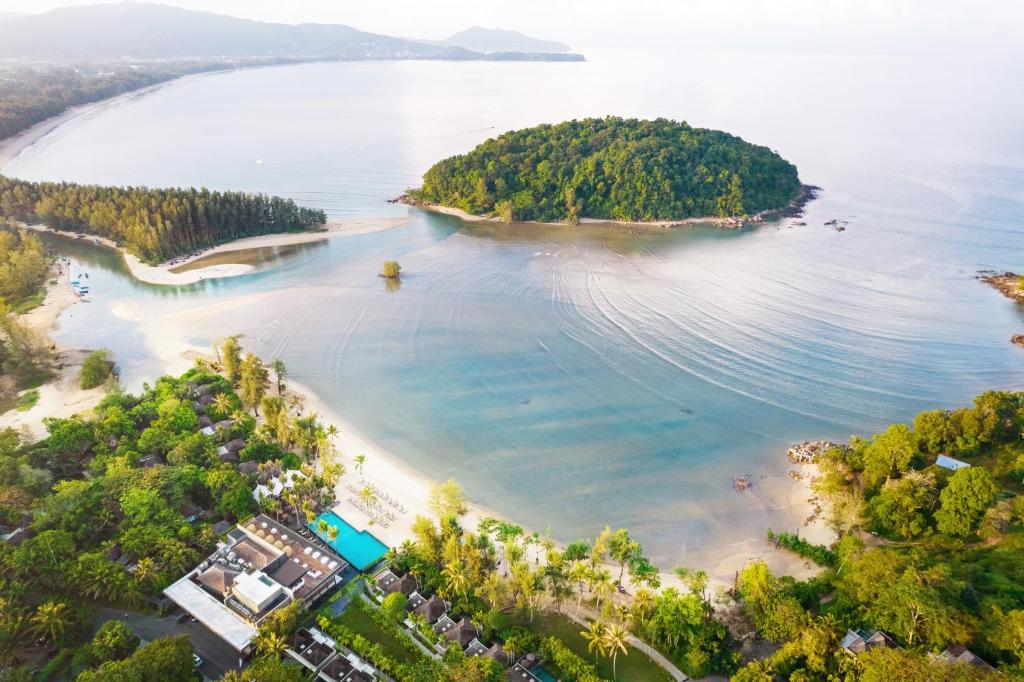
{"points": [[614, 169]]}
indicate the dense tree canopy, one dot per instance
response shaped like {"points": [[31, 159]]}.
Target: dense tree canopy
{"points": [[154, 224], [23, 264], [612, 168]]}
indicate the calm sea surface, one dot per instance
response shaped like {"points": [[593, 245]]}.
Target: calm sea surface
{"points": [[572, 378]]}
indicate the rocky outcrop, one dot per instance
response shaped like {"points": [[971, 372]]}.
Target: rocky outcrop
{"points": [[808, 451], [1007, 283]]}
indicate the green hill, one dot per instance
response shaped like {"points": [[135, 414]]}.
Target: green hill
{"points": [[612, 168]]}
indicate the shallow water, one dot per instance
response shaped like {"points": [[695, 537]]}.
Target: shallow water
{"points": [[576, 377]]}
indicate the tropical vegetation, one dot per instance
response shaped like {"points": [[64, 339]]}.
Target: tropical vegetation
{"points": [[612, 168], [120, 502], [153, 224], [942, 564]]}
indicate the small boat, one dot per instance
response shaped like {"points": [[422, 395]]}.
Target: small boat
{"points": [[75, 283]]}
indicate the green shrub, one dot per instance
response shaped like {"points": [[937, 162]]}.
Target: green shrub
{"points": [[819, 554], [96, 368]]}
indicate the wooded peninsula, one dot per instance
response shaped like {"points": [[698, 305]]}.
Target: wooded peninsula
{"points": [[614, 169], [154, 224]]}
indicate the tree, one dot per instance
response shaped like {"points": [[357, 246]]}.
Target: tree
{"points": [[964, 500], [231, 352], [222, 404], [266, 670], [456, 583], [888, 454], [1004, 632], [602, 585], [901, 507], [616, 641], [621, 548], [114, 641], [393, 607], [168, 659], [391, 269], [447, 500], [51, 620], [280, 375], [595, 636], [96, 368], [254, 379], [360, 461], [269, 644]]}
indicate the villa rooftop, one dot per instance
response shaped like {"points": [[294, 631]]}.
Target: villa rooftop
{"points": [[261, 566]]}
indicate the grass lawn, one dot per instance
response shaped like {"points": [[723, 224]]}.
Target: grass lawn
{"points": [[634, 666], [360, 622], [27, 400]]}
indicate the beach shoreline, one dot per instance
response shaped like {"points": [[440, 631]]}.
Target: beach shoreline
{"points": [[61, 396], [792, 210], [167, 337], [12, 147], [164, 273]]}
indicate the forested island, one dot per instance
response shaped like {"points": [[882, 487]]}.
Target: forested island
{"points": [[154, 224], [612, 169]]}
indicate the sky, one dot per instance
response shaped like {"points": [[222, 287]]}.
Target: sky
{"points": [[825, 25]]}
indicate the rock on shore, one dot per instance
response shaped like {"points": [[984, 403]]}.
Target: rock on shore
{"points": [[809, 450]]}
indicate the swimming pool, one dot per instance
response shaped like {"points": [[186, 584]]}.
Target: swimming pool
{"points": [[359, 548]]}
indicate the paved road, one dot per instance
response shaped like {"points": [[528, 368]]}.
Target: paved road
{"points": [[217, 656]]}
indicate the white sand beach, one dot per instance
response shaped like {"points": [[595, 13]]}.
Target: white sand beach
{"points": [[162, 274], [61, 396]]}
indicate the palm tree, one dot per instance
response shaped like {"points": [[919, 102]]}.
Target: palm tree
{"points": [[367, 495], [147, 570], [594, 634], [332, 533], [578, 573], [292, 500], [269, 644], [280, 374], [332, 431], [360, 460], [307, 509], [603, 586], [455, 581], [51, 620], [616, 640], [221, 403], [321, 527], [643, 602]]}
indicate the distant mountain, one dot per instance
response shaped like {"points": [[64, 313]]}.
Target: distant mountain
{"points": [[487, 40], [151, 31]]}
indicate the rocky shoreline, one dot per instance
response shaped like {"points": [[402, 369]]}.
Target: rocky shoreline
{"points": [[808, 451], [1009, 284], [795, 209]]}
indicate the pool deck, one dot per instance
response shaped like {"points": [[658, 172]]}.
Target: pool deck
{"points": [[354, 557]]}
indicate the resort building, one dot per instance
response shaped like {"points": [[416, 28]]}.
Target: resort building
{"points": [[858, 641], [327, 660], [260, 567], [947, 462], [387, 582], [276, 485], [958, 654], [431, 609]]}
